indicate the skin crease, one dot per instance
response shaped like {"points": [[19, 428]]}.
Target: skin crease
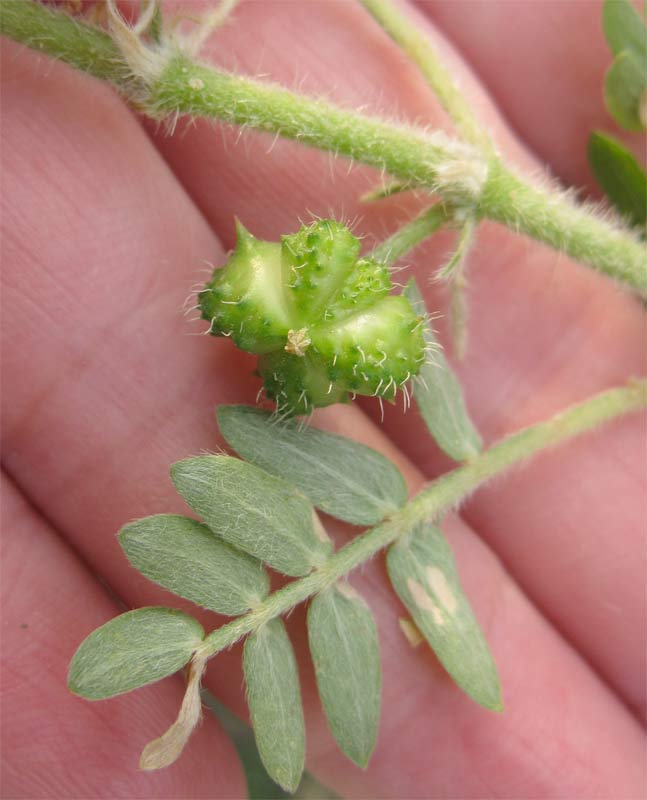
{"points": [[107, 398]]}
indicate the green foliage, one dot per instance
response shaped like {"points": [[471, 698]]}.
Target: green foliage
{"points": [[624, 28], [321, 319], [133, 650], [341, 477], [346, 656], [625, 93], [422, 570], [624, 86], [620, 176], [250, 509], [187, 558], [254, 517], [259, 784], [146, 645], [439, 396], [274, 700]]}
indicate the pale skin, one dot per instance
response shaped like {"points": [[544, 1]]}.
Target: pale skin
{"points": [[104, 230]]}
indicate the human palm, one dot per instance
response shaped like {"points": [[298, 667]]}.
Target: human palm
{"points": [[105, 225]]}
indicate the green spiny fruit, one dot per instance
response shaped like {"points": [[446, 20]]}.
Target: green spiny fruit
{"points": [[321, 319]]}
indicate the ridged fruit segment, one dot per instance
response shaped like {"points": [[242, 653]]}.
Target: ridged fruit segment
{"points": [[368, 281], [316, 260], [298, 385], [374, 351], [245, 299]]}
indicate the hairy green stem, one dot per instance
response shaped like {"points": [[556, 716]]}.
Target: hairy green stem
{"points": [[410, 153], [416, 46], [431, 160], [432, 501], [412, 234], [60, 36], [165, 82]]}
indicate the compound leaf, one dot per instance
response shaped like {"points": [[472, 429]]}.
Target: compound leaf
{"points": [[254, 511], [274, 700], [343, 478], [422, 570], [346, 656], [132, 650], [187, 558], [439, 396]]}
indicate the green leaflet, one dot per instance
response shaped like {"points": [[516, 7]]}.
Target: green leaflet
{"points": [[422, 570], [343, 478], [346, 656], [620, 176], [439, 396], [132, 650], [624, 28], [187, 558], [624, 85], [254, 511], [274, 700]]}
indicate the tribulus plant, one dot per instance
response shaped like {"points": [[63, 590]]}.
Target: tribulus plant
{"points": [[329, 320]]}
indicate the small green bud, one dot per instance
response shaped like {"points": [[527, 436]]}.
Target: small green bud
{"points": [[321, 319]]}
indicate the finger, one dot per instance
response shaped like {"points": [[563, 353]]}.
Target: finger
{"points": [[545, 332], [544, 64], [111, 463], [57, 745]]}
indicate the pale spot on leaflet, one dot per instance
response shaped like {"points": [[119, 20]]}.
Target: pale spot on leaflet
{"points": [[439, 586], [423, 601], [196, 83], [411, 631], [347, 590], [320, 531]]}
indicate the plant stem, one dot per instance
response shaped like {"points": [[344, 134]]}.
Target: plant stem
{"points": [[61, 36], [412, 234], [435, 161], [410, 155], [403, 151], [417, 48], [527, 211], [432, 501], [549, 215]]}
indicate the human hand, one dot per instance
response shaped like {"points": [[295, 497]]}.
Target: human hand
{"points": [[105, 388]]}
